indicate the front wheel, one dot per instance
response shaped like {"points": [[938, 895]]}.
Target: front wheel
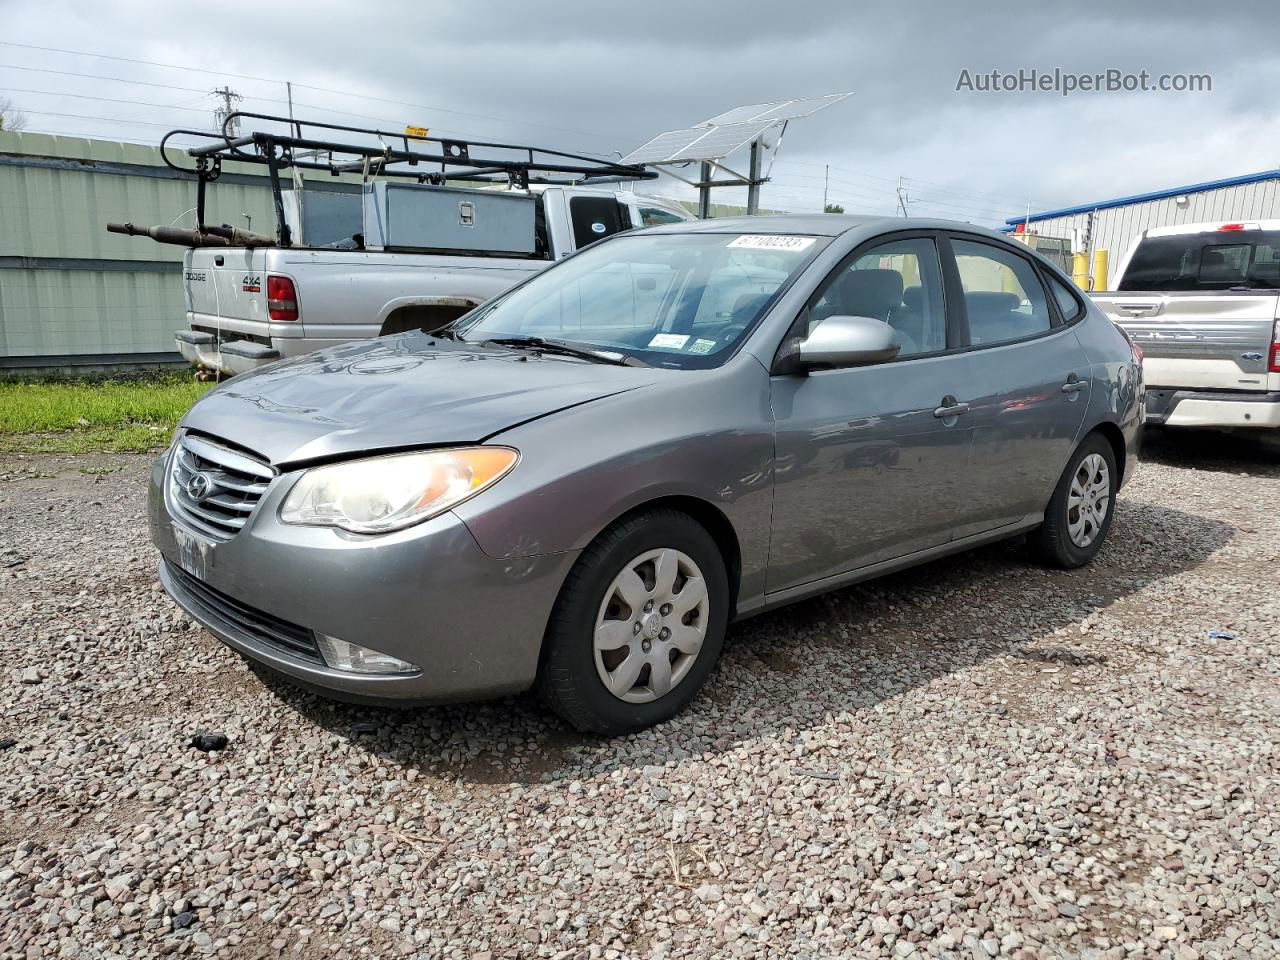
{"points": [[1079, 515], [638, 626]]}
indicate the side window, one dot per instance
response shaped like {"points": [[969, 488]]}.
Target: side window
{"points": [[898, 282], [653, 216], [593, 218], [1068, 303], [1002, 294]]}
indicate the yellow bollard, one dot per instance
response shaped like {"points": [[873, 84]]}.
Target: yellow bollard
{"points": [[1080, 270], [1099, 270]]}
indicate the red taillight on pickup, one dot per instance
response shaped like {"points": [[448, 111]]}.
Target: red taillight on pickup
{"points": [[1274, 365], [282, 299]]}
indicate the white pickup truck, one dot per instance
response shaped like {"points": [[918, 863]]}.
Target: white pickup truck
{"points": [[248, 306], [437, 227], [1203, 303]]}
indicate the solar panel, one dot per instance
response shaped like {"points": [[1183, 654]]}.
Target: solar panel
{"points": [[697, 143], [722, 140], [662, 146], [777, 110], [720, 136]]}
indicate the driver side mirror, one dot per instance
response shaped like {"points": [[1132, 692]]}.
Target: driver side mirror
{"points": [[847, 342]]}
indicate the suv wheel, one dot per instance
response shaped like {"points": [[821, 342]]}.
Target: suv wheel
{"points": [[638, 626]]}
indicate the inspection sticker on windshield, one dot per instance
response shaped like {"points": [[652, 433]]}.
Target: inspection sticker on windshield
{"points": [[702, 346], [756, 241], [674, 341]]}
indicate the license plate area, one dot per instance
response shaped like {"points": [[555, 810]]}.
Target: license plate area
{"points": [[195, 554]]}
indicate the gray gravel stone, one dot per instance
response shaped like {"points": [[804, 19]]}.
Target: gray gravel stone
{"points": [[981, 758]]}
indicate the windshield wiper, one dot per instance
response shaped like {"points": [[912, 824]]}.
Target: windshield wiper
{"points": [[568, 350]]}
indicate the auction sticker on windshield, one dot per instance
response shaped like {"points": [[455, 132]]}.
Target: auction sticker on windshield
{"points": [[675, 341], [755, 241]]}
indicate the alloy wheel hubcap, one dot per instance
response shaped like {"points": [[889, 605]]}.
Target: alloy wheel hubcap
{"points": [[651, 625], [1088, 500]]}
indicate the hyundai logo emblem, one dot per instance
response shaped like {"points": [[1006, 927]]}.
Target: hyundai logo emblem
{"points": [[199, 486]]}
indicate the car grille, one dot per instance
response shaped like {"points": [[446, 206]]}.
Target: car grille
{"points": [[261, 626], [215, 488]]}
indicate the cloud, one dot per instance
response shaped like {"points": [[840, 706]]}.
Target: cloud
{"points": [[606, 76]]}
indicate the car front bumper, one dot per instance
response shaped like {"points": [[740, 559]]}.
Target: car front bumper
{"points": [[1209, 408], [428, 595]]}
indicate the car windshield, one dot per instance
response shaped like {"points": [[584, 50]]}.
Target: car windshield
{"points": [[677, 300]]}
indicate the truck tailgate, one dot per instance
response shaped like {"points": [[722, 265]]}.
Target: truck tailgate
{"points": [[1202, 340], [225, 285]]}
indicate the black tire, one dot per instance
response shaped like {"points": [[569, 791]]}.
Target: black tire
{"points": [[1051, 541], [568, 680]]}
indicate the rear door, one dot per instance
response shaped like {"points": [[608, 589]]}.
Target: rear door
{"points": [[1030, 382]]}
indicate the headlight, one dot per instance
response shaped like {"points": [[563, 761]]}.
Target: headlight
{"points": [[381, 494]]}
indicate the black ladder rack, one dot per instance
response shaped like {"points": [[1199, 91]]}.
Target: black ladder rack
{"points": [[395, 155]]}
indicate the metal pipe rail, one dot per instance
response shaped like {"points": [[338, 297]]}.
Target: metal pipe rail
{"points": [[278, 151]]}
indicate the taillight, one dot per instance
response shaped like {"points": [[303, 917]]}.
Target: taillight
{"points": [[1137, 351], [1274, 365], [282, 299]]}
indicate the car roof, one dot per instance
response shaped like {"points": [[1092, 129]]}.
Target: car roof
{"points": [[818, 224]]}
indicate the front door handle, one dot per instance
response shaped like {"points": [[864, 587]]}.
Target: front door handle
{"points": [[1073, 385], [950, 408]]}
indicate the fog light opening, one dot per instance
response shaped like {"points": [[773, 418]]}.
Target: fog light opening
{"points": [[353, 658]]}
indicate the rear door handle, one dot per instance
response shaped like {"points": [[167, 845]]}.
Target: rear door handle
{"points": [[950, 408], [1073, 385]]}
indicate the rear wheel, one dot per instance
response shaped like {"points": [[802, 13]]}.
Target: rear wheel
{"points": [[638, 626], [1079, 515]]}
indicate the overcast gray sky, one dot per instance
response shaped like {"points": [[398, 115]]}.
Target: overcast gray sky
{"points": [[604, 76]]}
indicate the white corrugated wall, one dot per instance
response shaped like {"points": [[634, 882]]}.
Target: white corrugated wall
{"points": [[1114, 229]]}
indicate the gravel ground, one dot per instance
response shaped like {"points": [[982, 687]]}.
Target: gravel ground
{"points": [[977, 758]]}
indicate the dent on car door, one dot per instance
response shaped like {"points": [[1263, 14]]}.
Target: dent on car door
{"points": [[866, 469], [1031, 381]]}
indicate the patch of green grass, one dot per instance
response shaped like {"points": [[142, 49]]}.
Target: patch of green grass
{"points": [[85, 416]]}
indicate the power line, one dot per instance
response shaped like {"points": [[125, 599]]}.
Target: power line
{"points": [[85, 96], [150, 63], [239, 76]]}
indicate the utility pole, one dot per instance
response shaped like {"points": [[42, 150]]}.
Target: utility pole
{"points": [[826, 176], [903, 199], [226, 108], [288, 87]]}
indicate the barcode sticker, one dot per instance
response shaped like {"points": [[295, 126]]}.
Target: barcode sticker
{"points": [[755, 241]]}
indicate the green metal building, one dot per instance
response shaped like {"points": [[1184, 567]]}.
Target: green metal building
{"points": [[73, 295]]}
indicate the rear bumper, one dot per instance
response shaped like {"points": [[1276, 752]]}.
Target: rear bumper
{"points": [[203, 349], [1212, 408]]}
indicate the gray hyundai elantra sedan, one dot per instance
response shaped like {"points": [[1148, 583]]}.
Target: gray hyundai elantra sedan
{"points": [[577, 486]]}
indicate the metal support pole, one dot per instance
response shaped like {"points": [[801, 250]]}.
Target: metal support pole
{"points": [[704, 193], [753, 188]]}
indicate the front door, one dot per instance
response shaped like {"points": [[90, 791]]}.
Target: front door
{"points": [[868, 465]]}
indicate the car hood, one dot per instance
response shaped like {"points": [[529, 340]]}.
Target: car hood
{"points": [[398, 392]]}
